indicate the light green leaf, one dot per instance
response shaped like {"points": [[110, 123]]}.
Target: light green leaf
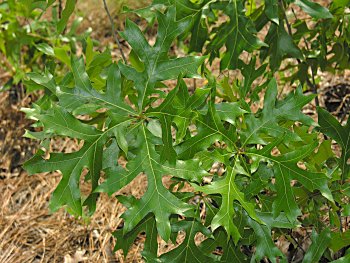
{"points": [[62, 55], [46, 49], [280, 221], [177, 108], [339, 240], [229, 111], [189, 170], [344, 259]]}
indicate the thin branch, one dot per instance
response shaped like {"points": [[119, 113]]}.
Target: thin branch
{"points": [[113, 32], [59, 9], [296, 241]]}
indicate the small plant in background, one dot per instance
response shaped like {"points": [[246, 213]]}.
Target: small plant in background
{"points": [[275, 177], [27, 37]]}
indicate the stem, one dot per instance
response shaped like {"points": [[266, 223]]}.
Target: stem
{"points": [[59, 9], [314, 89], [339, 217], [343, 116], [296, 241], [113, 32]]}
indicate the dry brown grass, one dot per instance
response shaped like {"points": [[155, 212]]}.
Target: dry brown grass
{"points": [[29, 233]]}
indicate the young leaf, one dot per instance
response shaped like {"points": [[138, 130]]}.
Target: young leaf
{"points": [[178, 108]]}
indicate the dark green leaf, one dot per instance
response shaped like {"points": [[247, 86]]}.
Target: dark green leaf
{"points": [[341, 134], [237, 35], [265, 246], [187, 251], [286, 169], [157, 199], [157, 65], [229, 191], [281, 45], [314, 9], [71, 165], [267, 123], [318, 246], [339, 240], [271, 10], [124, 242]]}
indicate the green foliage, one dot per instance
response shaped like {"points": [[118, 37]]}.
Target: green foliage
{"points": [[277, 174], [318, 246], [332, 128], [234, 25], [27, 37]]}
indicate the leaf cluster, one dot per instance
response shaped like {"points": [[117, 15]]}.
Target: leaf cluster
{"points": [[275, 173], [228, 30]]}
